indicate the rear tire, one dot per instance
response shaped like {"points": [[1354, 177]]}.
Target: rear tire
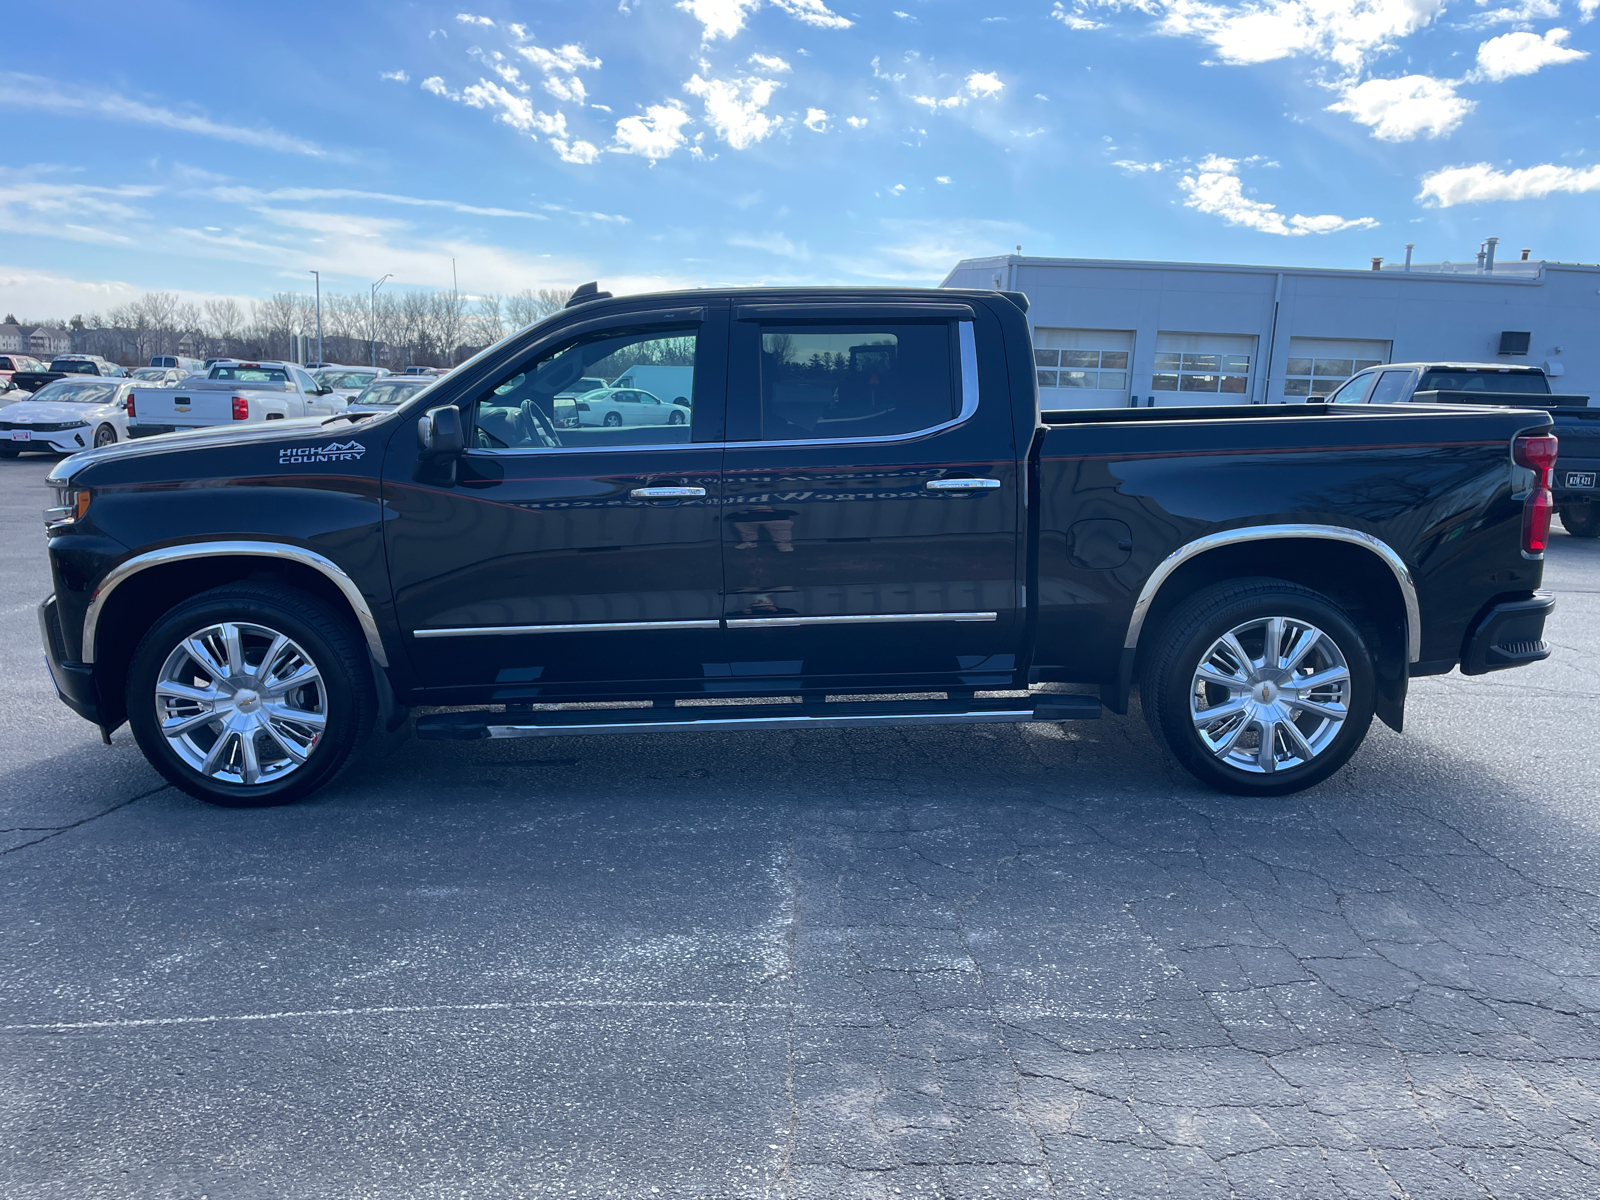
{"points": [[1581, 520], [249, 695], [1259, 687]]}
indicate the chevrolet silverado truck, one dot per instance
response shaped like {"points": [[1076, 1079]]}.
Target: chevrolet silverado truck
{"points": [[232, 391], [1575, 476], [865, 521]]}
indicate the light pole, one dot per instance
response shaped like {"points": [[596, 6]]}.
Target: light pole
{"points": [[318, 276], [372, 309]]}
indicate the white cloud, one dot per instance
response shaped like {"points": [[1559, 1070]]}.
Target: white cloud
{"points": [[773, 63], [933, 102], [725, 18], [1138, 168], [941, 179], [984, 84], [898, 189], [500, 65], [582, 153], [1481, 182], [254, 196], [516, 111], [816, 120], [1404, 109], [772, 243], [1346, 32], [904, 16], [719, 18], [400, 76], [469, 19], [814, 13], [654, 135], [560, 67], [1520, 14], [32, 91], [1524, 53], [733, 108], [1215, 189], [1587, 9], [1074, 20], [436, 85], [856, 122]]}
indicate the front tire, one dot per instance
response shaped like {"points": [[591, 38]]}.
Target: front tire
{"points": [[1259, 687], [1581, 520], [249, 695], [105, 436]]}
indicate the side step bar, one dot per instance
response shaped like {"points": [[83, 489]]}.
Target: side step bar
{"points": [[735, 718]]}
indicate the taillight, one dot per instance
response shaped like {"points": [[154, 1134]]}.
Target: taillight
{"points": [[241, 409], [128, 403], [1538, 454]]}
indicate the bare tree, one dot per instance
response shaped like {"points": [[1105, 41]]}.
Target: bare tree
{"points": [[223, 323]]}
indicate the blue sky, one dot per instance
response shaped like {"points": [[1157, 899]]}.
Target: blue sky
{"points": [[224, 149]]}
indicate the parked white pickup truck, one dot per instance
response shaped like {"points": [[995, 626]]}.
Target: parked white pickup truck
{"points": [[232, 392]]}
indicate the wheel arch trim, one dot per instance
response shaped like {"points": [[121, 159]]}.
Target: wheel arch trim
{"points": [[335, 574], [1260, 533]]}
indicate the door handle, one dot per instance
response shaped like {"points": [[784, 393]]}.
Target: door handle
{"points": [[665, 493], [962, 485]]}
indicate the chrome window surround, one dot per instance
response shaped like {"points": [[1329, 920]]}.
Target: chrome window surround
{"points": [[730, 622], [968, 345], [1253, 533], [170, 554]]}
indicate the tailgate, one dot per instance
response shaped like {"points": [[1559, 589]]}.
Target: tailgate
{"points": [[181, 407]]}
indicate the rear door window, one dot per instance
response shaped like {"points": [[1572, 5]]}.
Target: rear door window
{"points": [[1391, 388], [870, 379]]}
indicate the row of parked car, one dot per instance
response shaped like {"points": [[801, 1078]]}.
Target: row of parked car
{"points": [[82, 400]]}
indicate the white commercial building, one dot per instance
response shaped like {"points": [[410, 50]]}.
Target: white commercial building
{"points": [[1112, 334]]}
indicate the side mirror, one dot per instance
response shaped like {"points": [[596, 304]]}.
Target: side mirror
{"points": [[439, 434]]}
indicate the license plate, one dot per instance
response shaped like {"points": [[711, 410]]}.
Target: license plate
{"points": [[21, 435], [1577, 479]]}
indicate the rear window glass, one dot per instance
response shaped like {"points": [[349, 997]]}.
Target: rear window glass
{"points": [[856, 380], [251, 374], [1520, 383]]}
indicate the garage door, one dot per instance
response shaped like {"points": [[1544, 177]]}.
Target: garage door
{"points": [[1317, 366], [1082, 368], [1203, 368]]}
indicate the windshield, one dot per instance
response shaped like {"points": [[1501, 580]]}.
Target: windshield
{"points": [[245, 373], [149, 373], [1521, 383], [64, 391], [391, 391], [346, 379]]}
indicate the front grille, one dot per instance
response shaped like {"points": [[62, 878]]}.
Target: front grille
{"points": [[42, 427]]}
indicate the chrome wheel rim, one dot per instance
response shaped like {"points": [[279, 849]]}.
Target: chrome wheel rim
{"points": [[241, 703], [105, 436], [1270, 695]]}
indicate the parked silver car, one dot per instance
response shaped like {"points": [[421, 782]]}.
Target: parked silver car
{"points": [[617, 407]]}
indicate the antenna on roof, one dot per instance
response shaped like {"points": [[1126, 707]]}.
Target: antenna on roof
{"points": [[584, 293]]}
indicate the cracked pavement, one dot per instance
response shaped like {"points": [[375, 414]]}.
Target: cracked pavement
{"points": [[955, 962]]}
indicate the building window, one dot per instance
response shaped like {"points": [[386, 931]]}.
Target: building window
{"points": [[1214, 368], [1082, 368], [1317, 366]]}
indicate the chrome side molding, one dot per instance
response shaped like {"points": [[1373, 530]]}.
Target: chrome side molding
{"points": [[961, 485], [1254, 533], [579, 627], [857, 619], [281, 550]]}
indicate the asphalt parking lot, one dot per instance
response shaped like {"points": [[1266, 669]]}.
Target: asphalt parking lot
{"points": [[962, 962]]}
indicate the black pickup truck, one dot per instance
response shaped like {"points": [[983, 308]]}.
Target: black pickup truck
{"points": [[863, 520], [64, 365], [1574, 477]]}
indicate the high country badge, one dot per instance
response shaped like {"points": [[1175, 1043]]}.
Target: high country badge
{"points": [[332, 452]]}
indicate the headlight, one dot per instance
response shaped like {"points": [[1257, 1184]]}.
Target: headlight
{"points": [[71, 504]]}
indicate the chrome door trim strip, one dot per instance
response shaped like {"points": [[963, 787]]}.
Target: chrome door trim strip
{"points": [[169, 554], [857, 619], [967, 344], [665, 493], [1252, 533], [581, 627], [736, 724], [961, 485]]}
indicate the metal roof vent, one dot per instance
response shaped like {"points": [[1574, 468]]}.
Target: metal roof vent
{"points": [[1377, 262], [1514, 343], [585, 293]]}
